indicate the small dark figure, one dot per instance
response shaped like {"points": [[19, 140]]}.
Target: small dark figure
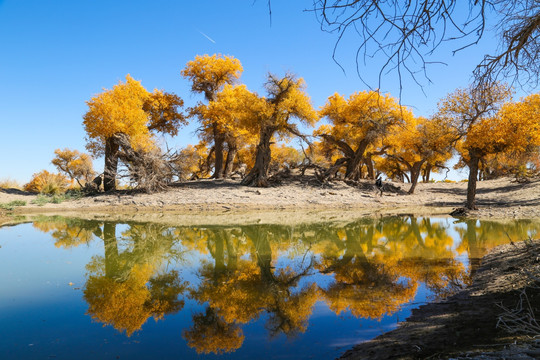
{"points": [[379, 185]]}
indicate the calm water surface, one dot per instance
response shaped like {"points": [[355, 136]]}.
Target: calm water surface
{"points": [[71, 288]]}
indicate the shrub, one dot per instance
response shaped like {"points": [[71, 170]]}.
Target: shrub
{"points": [[45, 182], [8, 183], [12, 204]]}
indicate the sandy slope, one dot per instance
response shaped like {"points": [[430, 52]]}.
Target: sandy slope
{"points": [[502, 198]]}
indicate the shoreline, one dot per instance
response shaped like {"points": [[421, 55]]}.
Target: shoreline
{"points": [[501, 199], [464, 325]]}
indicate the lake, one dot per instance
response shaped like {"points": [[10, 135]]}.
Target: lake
{"points": [[87, 289]]}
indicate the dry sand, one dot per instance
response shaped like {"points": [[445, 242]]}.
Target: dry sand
{"points": [[501, 198]]}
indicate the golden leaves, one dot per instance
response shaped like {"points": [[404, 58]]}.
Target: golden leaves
{"points": [[208, 74], [73, 163], [130, 109], [364, 115]]}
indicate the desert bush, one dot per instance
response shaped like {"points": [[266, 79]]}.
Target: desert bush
{"points": [[77, 166], [45, 182], [12, 204], [8, 183]]}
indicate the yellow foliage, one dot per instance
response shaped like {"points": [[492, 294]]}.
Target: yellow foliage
{"points": [[208, 74], [119, 110], [162, 110], [76, 165], [191, 162], [284, 156], [45, 182], [233, 111], [365, 114], [287, 98], [514, 128], [421, 140]]}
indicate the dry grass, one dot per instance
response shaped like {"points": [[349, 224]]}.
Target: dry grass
{"points": [[9, 183], [46, 183]]}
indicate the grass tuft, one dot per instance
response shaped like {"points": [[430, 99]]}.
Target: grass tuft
{"points": [[8, 183], [12, 205], [43, 199]]}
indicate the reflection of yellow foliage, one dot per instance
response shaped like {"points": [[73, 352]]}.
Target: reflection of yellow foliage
{"points": [[236, 297], [210, 334], [369, 302], [120, 304], [126, 305], [66, 234]]}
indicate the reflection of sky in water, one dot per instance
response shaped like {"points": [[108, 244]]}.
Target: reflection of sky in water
{"points": [[43, 313]]}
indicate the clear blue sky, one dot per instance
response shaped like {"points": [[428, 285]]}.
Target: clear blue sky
{"points": [[55, 55]]}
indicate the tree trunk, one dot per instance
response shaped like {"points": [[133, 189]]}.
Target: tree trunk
{"points": [[474, 249], [427, 173], [332, 171], [111, 250], [471, 186], [369, 166], [231, 155], [219, 139], [415, 173], [111, 164], [257, 176], [354, 165], [405, 177]]}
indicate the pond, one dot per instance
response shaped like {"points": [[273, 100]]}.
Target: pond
{"points": [[102, 289]]}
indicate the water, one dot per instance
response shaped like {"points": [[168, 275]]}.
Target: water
{"points": [[71, 288]]}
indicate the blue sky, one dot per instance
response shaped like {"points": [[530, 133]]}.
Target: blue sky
{"points": [[55, 55]]}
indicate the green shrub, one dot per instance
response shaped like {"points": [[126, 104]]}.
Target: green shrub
{"points": [[12, 204], [43, 199]]}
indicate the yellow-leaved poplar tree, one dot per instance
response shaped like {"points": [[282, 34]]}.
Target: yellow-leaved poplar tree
{"points": [[286, 100], [76, 165], [471, 111], [420, 141], [515, 127], [208, 75], [355, 124], [228, 113], [127, 114]]}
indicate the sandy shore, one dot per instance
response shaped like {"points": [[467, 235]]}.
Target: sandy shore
{"points": [[501, 198]]}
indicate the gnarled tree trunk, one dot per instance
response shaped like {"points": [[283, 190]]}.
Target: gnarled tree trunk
{"points": [[369, 165], [354, 164], [258, 175], [415, 174], [427, 173], [473, 175], [111, 164], [219, 140], [229, 162]]}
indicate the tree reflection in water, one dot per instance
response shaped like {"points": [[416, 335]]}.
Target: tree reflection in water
{"points": [[370, 267]]}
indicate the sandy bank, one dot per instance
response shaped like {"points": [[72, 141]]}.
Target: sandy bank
{"points": [[500, 198]]}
